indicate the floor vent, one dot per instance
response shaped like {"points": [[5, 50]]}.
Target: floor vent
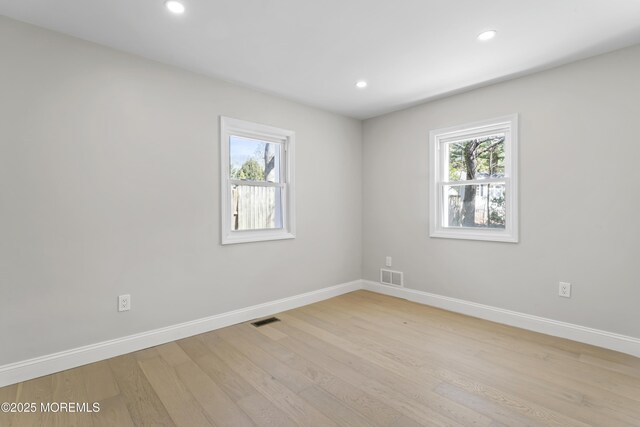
{"points": [[392, 278], [263, 322]]}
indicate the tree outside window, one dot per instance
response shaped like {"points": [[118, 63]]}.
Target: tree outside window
{"points": [[473, 189]]}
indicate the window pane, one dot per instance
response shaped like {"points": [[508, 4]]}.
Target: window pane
{"points": [[255, 208], [476, 158], [481, 205], [253, 159]]}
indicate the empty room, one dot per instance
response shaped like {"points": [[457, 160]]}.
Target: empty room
{"points": [[330, 213]]}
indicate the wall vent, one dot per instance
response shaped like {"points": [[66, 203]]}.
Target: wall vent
{"points": [[265, 321], [392, 278]]}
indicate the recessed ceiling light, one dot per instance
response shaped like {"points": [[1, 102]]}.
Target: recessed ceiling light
{"points": [[361, 84], [487, 35], [174, 6]]}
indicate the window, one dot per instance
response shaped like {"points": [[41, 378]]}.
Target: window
{"points": [[257, 192], [474, 188]]}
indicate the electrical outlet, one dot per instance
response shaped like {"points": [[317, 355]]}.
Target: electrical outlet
{"points": [[564, 289], [124, 302], [387, 261]]}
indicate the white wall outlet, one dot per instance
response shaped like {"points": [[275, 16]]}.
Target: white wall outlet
{"points": [[124, 302], [564, 289], [388, 261]]}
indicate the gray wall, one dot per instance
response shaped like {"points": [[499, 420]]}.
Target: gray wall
{"points": [[579, 197], [109, 184]]}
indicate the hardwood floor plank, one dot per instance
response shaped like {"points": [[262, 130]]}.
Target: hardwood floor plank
{"points": [[270, 332], [68, 386], [7, 394], [399, 372], [333, 408], [555, 397], [288, 401], [147, 353], [194, 347], [113, 412], [560, 365], [595, 402], [349, 367], [528, 407], [180, 404], [357, 348], [233, 384], [263, 412], [500, 415], [360, 359], [437, 321], [215, 402], [39, 390], [144, 405], [610, 365], [173, 354], [372, 409], [537, 413], [288, 377], [399, 350], [99, 381]]}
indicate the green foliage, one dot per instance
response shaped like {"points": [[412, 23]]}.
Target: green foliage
{"points": [[497, 211], [480, 156], [250, 170], [473, 159]]}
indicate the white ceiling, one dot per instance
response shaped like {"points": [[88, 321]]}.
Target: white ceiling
{"points": [[315, 51]]}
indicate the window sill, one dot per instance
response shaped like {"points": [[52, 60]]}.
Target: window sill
{"points": [[469, 234], [256, 236]]}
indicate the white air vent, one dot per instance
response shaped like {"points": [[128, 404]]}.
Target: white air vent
{"points": [[390, 277]]}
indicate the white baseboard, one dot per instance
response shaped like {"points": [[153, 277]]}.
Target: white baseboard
{"points": [[49, 364], [610, 340]]}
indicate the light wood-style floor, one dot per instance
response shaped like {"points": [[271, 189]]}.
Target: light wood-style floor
{"points": [[361, 359]]}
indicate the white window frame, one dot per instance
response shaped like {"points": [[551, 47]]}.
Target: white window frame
{"points": [[242, 128], [437, 139]]}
